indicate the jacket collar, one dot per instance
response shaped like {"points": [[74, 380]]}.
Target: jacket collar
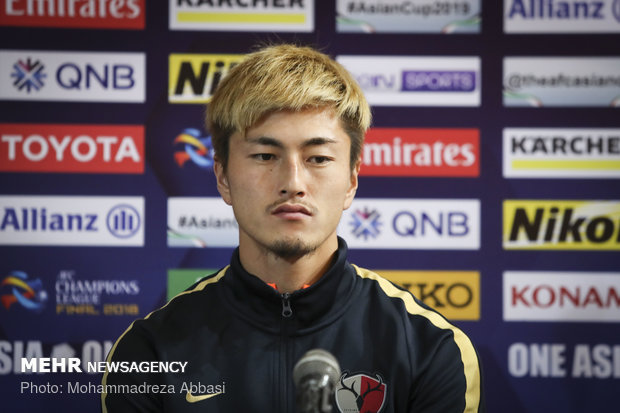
{"points": [[312, 307]]}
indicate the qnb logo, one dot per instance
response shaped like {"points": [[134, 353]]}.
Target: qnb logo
{"points": [[450, 224], [28, 75], [196, 148], [89, 76], [18, 289], [123, 221], [438, 81], [360, 393], [366, 223]]}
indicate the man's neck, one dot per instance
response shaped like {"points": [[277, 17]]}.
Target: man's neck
{"points": [[288, 274]]}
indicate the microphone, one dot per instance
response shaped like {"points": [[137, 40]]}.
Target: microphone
{"points": [[315, 376]]}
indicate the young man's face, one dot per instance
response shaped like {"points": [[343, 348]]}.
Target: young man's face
{"points": [[288, 181]]}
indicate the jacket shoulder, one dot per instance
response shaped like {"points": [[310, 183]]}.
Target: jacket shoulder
{"points": [[452, 353]]}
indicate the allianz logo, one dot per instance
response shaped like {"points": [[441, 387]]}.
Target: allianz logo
{"points": [[561, 10], [122, 221]]}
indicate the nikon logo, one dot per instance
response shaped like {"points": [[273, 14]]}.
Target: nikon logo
{"points": [[193, 78], [562, 225]]}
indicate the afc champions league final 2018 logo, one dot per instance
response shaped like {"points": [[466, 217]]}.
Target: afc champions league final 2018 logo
{"points": [[196, 148], [16, 288], [360, 393]]}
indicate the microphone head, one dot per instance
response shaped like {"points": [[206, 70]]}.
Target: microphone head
{"points": [[317, 362]]}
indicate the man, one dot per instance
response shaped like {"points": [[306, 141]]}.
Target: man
{"points": [[287, 126]]}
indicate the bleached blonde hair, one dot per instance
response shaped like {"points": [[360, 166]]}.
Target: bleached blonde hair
{"points": [[285, 77]]}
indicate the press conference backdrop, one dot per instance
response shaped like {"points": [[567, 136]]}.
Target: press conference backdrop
{"points": [[489, 187]]}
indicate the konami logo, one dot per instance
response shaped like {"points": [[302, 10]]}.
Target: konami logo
{"points": [[71, 148], [421, 152], [561, 296], [86, 14]]}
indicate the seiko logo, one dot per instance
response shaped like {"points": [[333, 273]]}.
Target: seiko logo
{"points": [[456, 294], [440, 295], [551, 9]]}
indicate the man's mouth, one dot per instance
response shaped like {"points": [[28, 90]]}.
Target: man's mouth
{"points": [[291, 211]]}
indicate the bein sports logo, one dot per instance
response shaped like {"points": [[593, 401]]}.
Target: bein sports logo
{"points": [[123, 221], [29, 293], [197, 149], [366, 223], [28, 75], [438, 81]]}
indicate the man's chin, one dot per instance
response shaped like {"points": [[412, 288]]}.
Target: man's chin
{"points": [[291, 249]]}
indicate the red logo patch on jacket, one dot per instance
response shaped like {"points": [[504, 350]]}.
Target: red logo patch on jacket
{"points": [[360, 393]]}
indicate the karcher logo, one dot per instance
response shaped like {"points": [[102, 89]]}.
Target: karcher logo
{"points": [[561, 153], [455, 294], [561, 225], [242, 15], [194, 77]]}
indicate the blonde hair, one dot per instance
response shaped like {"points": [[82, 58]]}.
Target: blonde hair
{"points": [[285, 77]]}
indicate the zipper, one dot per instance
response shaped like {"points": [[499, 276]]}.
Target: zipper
{"points": [[285, 375], [287, 311]]}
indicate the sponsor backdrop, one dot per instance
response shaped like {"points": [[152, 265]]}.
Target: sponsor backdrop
{"points": [[490, 184]]}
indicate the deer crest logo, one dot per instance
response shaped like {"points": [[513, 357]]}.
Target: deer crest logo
{"points": [[360, 393]]}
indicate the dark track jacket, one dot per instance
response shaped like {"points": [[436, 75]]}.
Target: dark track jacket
{"points": [[241, 339]]}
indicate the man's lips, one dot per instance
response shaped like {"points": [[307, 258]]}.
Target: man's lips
{"points": [[291, 211]]}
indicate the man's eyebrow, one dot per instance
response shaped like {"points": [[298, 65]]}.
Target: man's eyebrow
{"points": [[318, 141], [266, 140]]}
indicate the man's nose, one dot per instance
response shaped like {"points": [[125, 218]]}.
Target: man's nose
{"points": [[292, 180]]}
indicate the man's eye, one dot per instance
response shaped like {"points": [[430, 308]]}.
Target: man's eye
{"points": [[320, 159], [264, 156]]}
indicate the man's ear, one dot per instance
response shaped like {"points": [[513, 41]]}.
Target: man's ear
{"points": [[222, 180], [353, 184]]}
